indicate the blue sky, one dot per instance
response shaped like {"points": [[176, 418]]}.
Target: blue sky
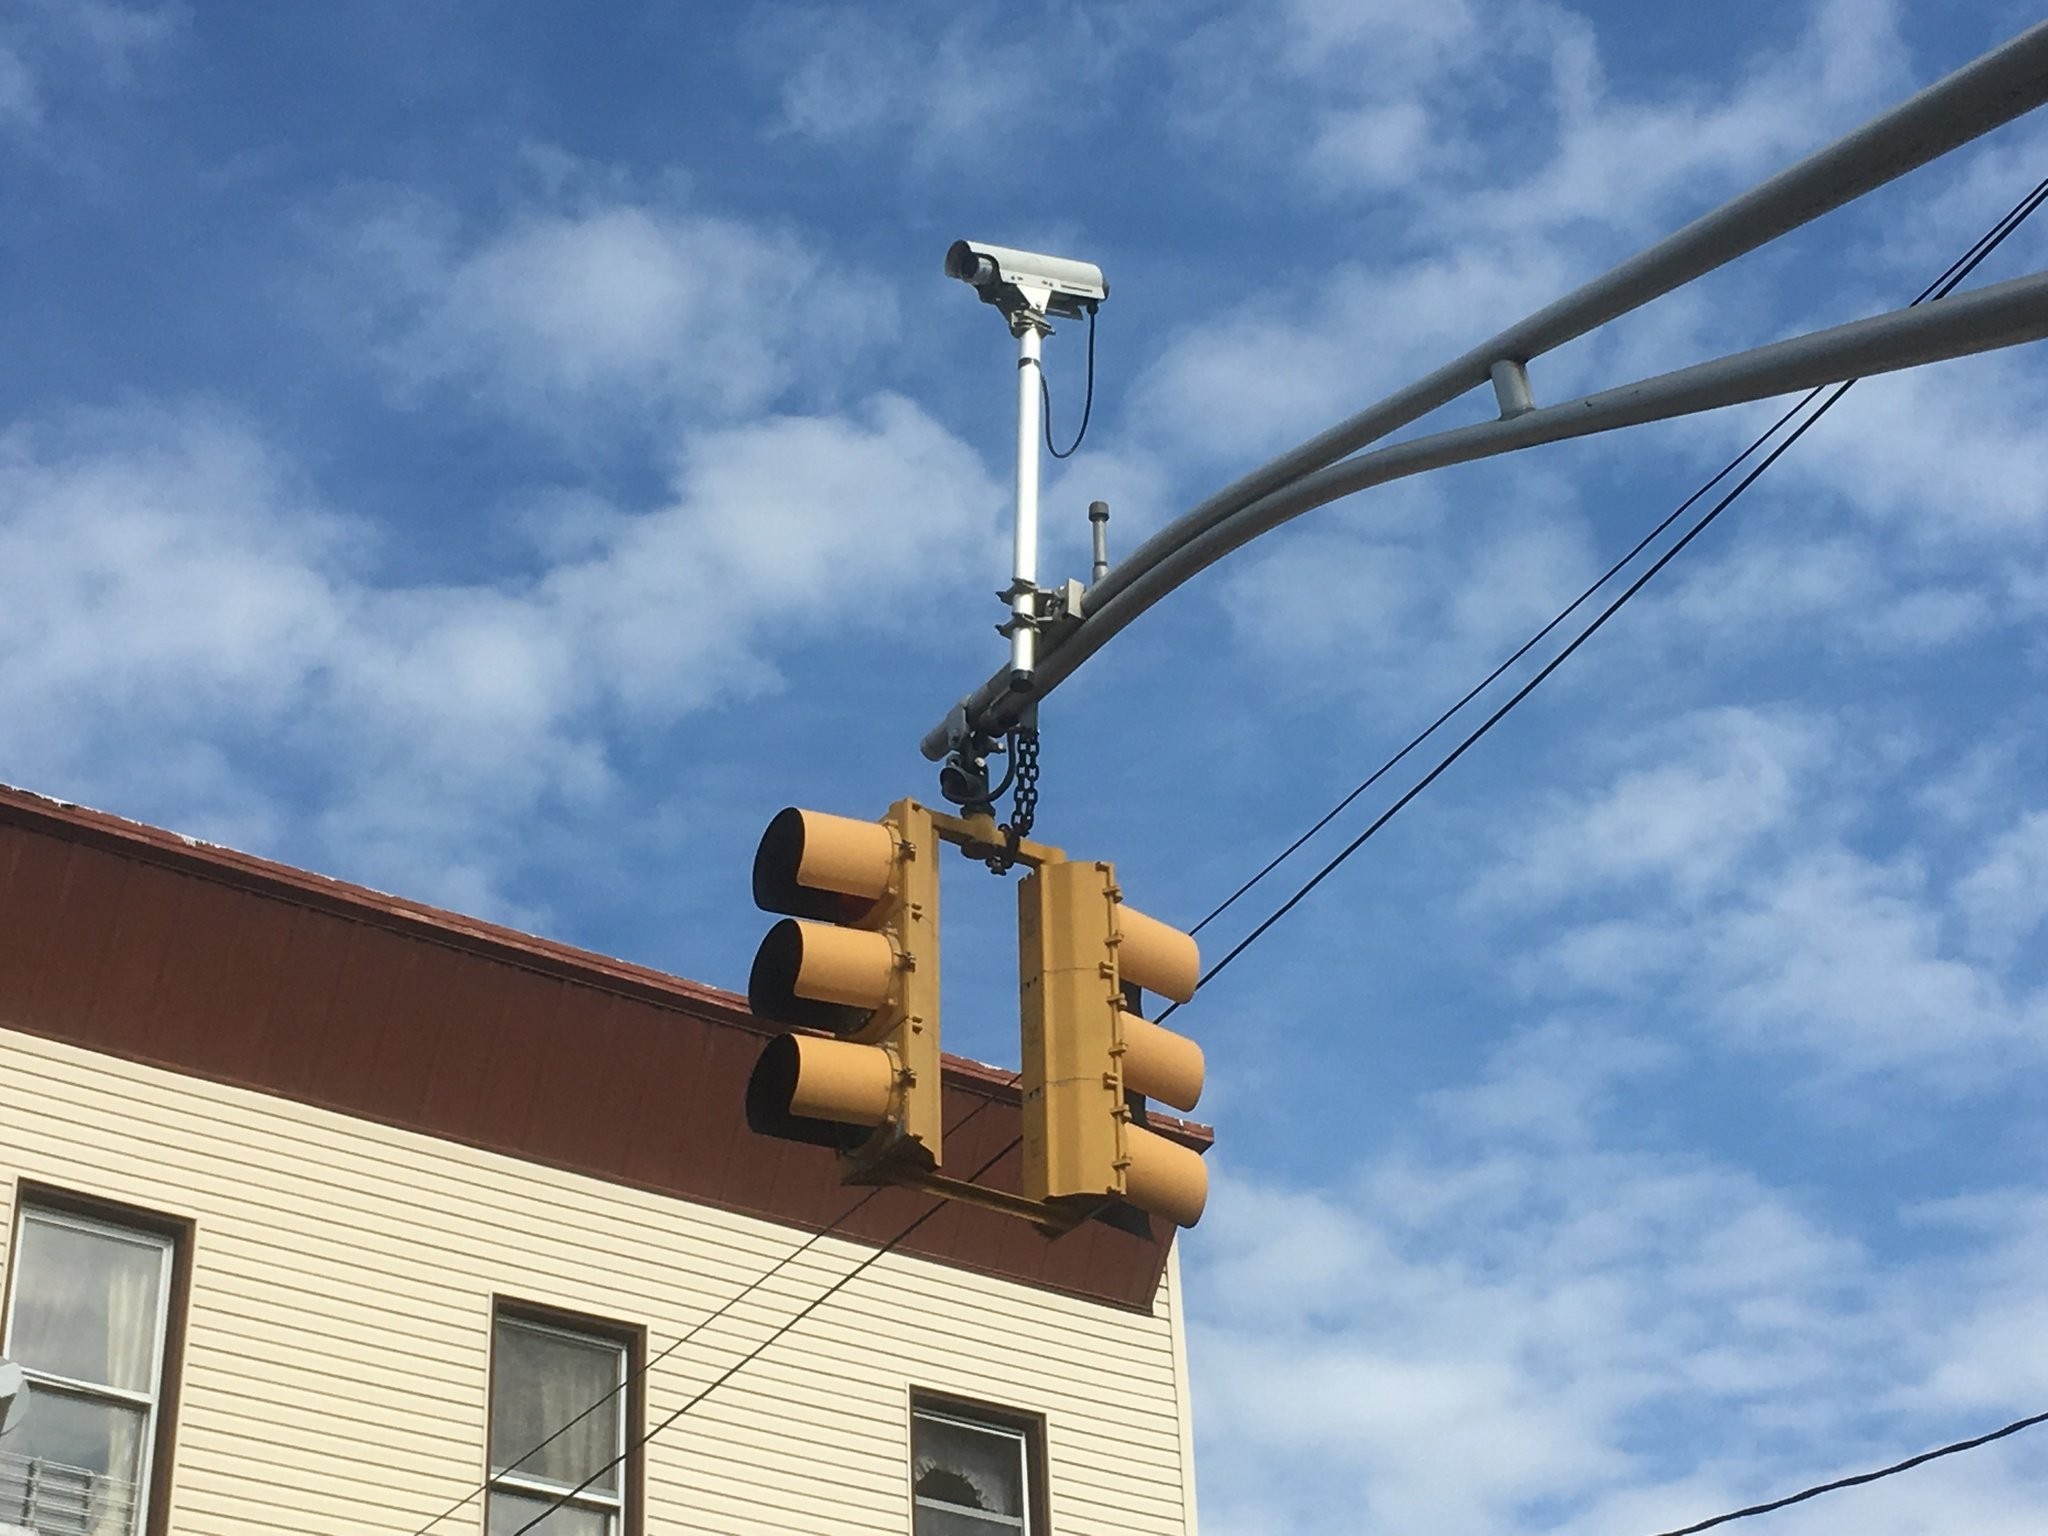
{"points": [[502, 455]]}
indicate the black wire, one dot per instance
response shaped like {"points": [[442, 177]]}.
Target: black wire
{"points": [[1957, 271], [1486, 682], [1520, 694], [1860, 1478], [1959, 268], [635, 1377], [1087, 403], [755, 1353]]}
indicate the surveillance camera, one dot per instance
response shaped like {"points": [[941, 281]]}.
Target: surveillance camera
{"points": [[1024, 280]]}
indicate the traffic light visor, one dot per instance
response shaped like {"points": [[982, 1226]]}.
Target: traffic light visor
{"points": [[807, 1089], [1165, 1178], [831, 868], [1153, 956], [1160, 1064], [820, 977]]}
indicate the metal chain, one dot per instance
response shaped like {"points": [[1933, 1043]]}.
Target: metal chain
{"points": [[1024, 805]]}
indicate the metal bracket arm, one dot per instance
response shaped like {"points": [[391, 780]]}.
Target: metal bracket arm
{"points": [[1052, 1218], [979, 837]]}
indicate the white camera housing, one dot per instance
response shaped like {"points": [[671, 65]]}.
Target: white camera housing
{"points": [[1026, 281]]}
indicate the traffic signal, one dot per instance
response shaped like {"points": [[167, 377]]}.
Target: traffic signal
{"points": [[857, 959], [1086, 1054]]}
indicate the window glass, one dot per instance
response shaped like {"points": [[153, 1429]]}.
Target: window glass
{"points": [[86, 1326], [932, 1520], [544, 1379], [86, 1303], [967, 1478], [510, 1511], [558, 1417], [72, 1453]]}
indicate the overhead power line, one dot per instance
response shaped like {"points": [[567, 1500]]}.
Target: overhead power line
{"points": [[1958, 270], [635, 1377], [1861, 1477], [784, 1327]]}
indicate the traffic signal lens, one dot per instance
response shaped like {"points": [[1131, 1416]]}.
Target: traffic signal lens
{"points": [[820, 977], [1158, 958], [1160, 1064], [830, 868]]}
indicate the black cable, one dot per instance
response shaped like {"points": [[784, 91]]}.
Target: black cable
{"points": [[1520, 694], [1958, 268], [1860, 1478], [753, 1354], [1087, 403], [633, 1378], [1486, 682], [1941, 287]]}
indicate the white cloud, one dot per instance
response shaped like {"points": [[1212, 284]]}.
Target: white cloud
{"points": [[51, 48], [944, 85], [1624, 162], [1546, 1082], [1949, 456], [2004, 900], [1978, 787], [606, 314], [1847, 958], [1476, 1331], [1729, 842], [1386, 98], [1280, 366], [180, 616], [1411, 596], [1723, 780], [20, 101]]}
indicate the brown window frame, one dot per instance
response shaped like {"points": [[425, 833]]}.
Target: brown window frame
{"points": [[181, 1232], [1031, 1426], [633, 1337]]}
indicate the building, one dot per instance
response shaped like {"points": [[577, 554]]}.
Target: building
{"points": [[325, 1208]]}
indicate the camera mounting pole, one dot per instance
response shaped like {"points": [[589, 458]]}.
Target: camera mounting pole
{"points": [[1031, 329], [1030, 289]]}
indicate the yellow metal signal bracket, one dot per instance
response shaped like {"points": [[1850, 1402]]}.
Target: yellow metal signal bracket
{"points": [[979, 837], [1053, 1218]]}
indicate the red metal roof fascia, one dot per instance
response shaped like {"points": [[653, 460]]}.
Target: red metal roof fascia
{"points": [[229, 866], [23, 808]]}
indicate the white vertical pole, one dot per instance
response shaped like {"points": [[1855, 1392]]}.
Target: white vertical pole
{"points": [[1024, 572]]}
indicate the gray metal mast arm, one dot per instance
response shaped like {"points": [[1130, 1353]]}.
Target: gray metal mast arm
{"points": [[2005, 314], [1992, 90]]}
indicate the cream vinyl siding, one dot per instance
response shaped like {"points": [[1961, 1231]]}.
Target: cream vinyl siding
{"points": [[338, 1336]]}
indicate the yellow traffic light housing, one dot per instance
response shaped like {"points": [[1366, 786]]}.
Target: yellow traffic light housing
{"points": [[858, 959], [1087, 1055], [853, 970]]}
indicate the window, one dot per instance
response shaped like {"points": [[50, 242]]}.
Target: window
{"points": [[975, 1471], [544, 1374], [88, 1310]]}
